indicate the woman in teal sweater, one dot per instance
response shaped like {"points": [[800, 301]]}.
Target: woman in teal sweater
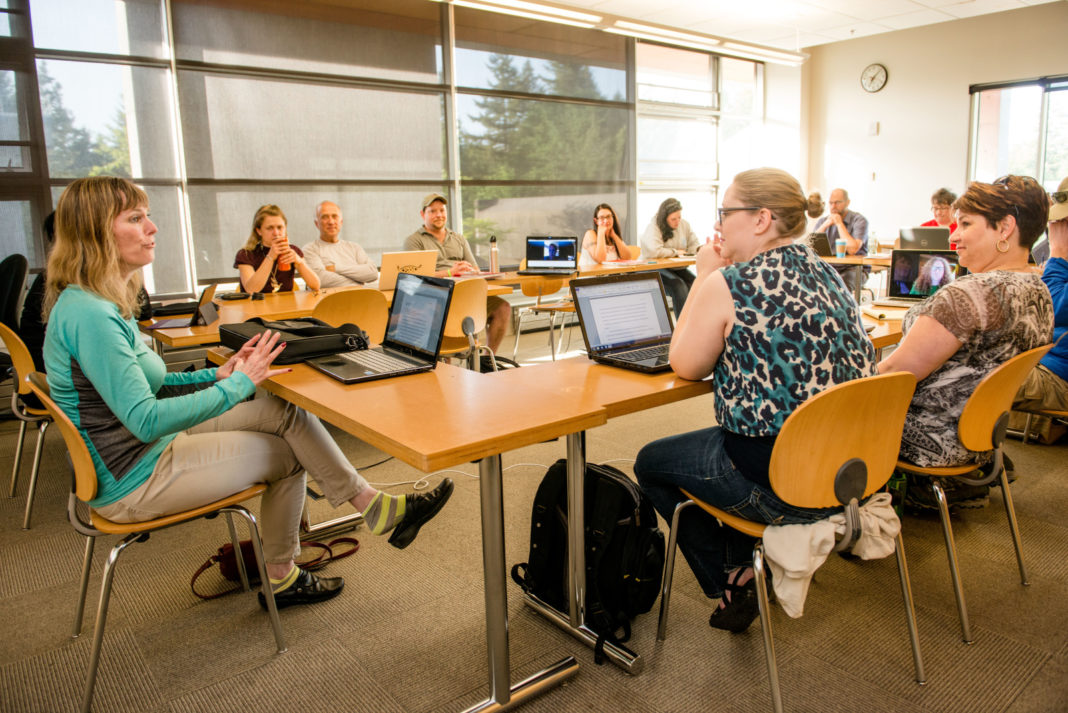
{"points": [[164, 442]]}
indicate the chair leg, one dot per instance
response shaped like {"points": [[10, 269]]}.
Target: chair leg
{"points": [[1026, 431], [910, 611], [239, 556], [951, 554], [265, 583], [765, 625], [102, 615], [669, 570], [1014, 527], [83, 590], [18, 459], [518, 330], [552, 341], [34, 472]]}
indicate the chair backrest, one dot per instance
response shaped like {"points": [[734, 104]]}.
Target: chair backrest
{"points": [[20, 357], [860, 419], [365, 307], [12, 280], [993, 397], [540, 287], [468, 300], [84, 471], [633, 252]]}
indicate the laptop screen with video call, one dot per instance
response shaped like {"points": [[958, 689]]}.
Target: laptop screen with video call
{"points": [[544, 251], [918, 274]]}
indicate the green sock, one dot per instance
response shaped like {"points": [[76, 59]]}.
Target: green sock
{"points": [[278, 585], [384, 512]]}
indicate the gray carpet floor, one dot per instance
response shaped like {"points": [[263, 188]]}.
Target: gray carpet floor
{"points": [[407, 635]]}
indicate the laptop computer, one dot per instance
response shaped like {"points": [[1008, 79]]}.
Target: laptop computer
{"points": [[1039, 252], [819, 243], [915, 275], [413, 334], [549, 255], [203, 310], [924, 238], [415, 262], [625, 319]]}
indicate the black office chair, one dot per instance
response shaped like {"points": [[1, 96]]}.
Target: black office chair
{"points": [[12, 280]]}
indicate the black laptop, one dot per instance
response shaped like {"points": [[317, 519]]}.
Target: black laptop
{"points": [[625, 319], [819, 243], [548, 255], [906, 268], [413, 334], [924, 238], [204, 312]]}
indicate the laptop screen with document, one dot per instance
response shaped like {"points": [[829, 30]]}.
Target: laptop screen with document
{"points": [[620, 311], [417, 315]]}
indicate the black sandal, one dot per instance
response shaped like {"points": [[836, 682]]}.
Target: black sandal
{"points": [[740, 610]]}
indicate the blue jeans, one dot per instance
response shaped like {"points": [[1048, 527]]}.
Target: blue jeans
{"points": [[698, 462], [677, 285]]}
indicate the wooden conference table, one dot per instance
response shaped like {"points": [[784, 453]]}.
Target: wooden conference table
{"points": [[558, 399], [278, 305]]}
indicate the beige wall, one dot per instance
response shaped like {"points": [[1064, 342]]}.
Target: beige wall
{"points": [[923, 111]]}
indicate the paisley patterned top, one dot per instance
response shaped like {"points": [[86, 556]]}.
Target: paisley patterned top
{"points": [[797, 331], [996, 315]]}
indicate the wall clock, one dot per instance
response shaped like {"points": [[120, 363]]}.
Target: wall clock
{"points": [[873, 78]]}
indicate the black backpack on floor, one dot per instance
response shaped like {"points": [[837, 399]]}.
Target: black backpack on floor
{"points": [[624, 550]]}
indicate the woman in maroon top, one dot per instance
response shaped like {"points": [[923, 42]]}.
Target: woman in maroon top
{"points": [[268, 262]]}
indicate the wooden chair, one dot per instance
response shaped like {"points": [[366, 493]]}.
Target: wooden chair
{"points": [[85, 488], [1062, 415], [26, 414], [365, 307], [468, 300], [633, 252], [812, 469], [982, 428], [539, 288]]}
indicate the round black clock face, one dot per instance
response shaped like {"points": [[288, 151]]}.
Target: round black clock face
{"points": [[873, 78]]}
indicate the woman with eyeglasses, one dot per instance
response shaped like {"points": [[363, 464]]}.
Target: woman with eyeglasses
{"points": [[942, 208], [773, 324], [604, 243], [970, 327], [935, 273]]}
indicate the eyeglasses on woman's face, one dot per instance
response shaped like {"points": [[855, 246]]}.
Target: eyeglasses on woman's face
{"points": [[724, 212]]}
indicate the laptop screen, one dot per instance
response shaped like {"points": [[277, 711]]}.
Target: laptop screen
{"points": [[618, 311], [545, 251], [920, 273], [417, 315]]}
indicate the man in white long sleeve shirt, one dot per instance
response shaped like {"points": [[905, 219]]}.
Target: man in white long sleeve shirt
{"points": [[337, 262]]}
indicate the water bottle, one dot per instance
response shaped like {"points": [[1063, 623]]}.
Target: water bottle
{"points": [[283, 266], [494, 264]]}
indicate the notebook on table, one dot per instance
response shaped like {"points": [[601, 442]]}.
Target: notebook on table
{"points": [[413, 334], [915, 275], [625, 319], [203, 310], [548, 255], [924, 238], [414, 262]]}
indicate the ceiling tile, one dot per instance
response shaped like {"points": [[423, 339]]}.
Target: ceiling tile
{"points": [[915, 19]]}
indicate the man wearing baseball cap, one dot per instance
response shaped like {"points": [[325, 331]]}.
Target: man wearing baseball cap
{"points": [[455, 258], [1046, 387]]}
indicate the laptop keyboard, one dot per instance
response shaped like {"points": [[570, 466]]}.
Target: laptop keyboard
{"points": [[643, 353], [376, 360]]}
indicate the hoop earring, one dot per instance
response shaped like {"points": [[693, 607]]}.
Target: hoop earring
{"points": [[1002, 245]]}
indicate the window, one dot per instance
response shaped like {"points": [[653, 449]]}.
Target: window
{"points": [[1021, 129]]}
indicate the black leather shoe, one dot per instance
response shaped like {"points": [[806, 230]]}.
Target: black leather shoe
{"points": [[418, 509], [308, 589]]}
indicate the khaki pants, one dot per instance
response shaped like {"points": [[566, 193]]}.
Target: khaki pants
{"points": [[263, 441], [1042, 390]]}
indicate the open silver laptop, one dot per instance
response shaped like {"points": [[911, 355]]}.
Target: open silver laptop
{"points": [[625, 319], [413, 334], [414, 262], [915, 275], [548, 255], [924, 238]]}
